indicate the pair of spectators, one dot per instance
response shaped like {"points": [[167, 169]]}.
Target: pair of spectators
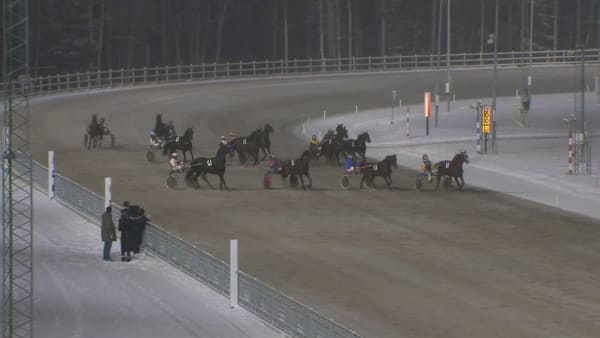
{"points": [[132, 225]]}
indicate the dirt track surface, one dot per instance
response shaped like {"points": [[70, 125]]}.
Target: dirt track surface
{"points": [[387, 264]]}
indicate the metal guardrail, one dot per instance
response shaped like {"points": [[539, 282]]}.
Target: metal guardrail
{"points": [[274, 307], [60, 83]]}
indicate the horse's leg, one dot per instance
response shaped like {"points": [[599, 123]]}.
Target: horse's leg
{"points": [[462, 183], [205, 180], [309, 181], [222, 182], [439, 176], [302, 181], [457, 182], [264, 150], [388, 181]]}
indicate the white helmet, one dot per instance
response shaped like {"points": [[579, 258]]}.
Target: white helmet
{"points": [[174, 155]]}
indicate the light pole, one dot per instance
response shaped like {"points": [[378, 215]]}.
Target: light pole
{"points": [[448, 56], [494, 125]]}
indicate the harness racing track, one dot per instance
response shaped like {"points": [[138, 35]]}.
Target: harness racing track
{"points": [[386, 264]]}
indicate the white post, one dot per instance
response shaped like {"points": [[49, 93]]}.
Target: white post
{"points": [[393, 104], [517, 93], [304, 128], [51, 186], [454, 98], [233, 270], [355, 111], [399, 103], [324, 115], [107, 191], [408, 122]]}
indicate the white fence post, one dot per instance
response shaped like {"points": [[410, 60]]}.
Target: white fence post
{"points": [[233, 270], [107, 191], [51, 186], [324, 115]]}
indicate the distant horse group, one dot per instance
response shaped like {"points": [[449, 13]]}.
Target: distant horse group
{"points": [[336, 143]]}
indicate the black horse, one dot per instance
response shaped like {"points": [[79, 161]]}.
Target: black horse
{"points": [[248, 147], [183, 143], [358, 146], [264, 141], [298, 168], [452, 169], [202, 166], [381, 168]]}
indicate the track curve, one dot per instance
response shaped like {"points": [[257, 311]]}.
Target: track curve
{"points": [[387, 264]]}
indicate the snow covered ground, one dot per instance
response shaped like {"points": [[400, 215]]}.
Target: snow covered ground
{"points": [[531, 161], [77, 294]]}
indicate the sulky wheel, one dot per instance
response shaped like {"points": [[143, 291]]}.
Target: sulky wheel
{"points": [[171, 182], [150, 156], [345, 182]]}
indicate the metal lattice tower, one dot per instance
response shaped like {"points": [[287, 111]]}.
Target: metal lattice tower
{"points": [[17, 232]]}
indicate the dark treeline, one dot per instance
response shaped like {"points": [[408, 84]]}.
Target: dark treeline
{"points": [[80, 35]]}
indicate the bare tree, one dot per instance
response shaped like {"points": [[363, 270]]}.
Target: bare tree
{"points": [[322, 37], [285, 29], [220, 31], [349, 28], [100, 35], [163, 22], [274, 29], [338, 34], [383, 27]]}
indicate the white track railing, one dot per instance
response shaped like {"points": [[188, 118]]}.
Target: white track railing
{"points": [[60, 83]]}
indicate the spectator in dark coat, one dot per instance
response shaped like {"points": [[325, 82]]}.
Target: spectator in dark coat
{"points": [[125, 229], [109, 233]]}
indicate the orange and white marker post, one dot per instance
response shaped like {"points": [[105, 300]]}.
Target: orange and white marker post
{"points": [[427, 111]]}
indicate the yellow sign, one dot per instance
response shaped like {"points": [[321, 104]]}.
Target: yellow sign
{"points": [[486, 119]]}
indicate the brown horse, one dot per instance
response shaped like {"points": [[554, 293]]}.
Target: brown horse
{"points": [[299, 168], [452, 169], [382, 168]]}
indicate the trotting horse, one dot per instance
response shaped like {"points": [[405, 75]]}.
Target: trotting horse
{"points": [[298, 167], [358, 146], [202, 166], [183, 143], [264, 142], [452, 169], [247, 147], [381, 168]]}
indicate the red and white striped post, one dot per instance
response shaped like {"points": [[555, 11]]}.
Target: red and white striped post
{"points": [[570, 152]]}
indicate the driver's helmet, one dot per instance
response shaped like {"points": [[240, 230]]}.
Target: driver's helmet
{"points": [[425, 157], [223, 138], [152, 133], [314, 137], [349, 155], [174, 155], [101, 120], [231, 134]]}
